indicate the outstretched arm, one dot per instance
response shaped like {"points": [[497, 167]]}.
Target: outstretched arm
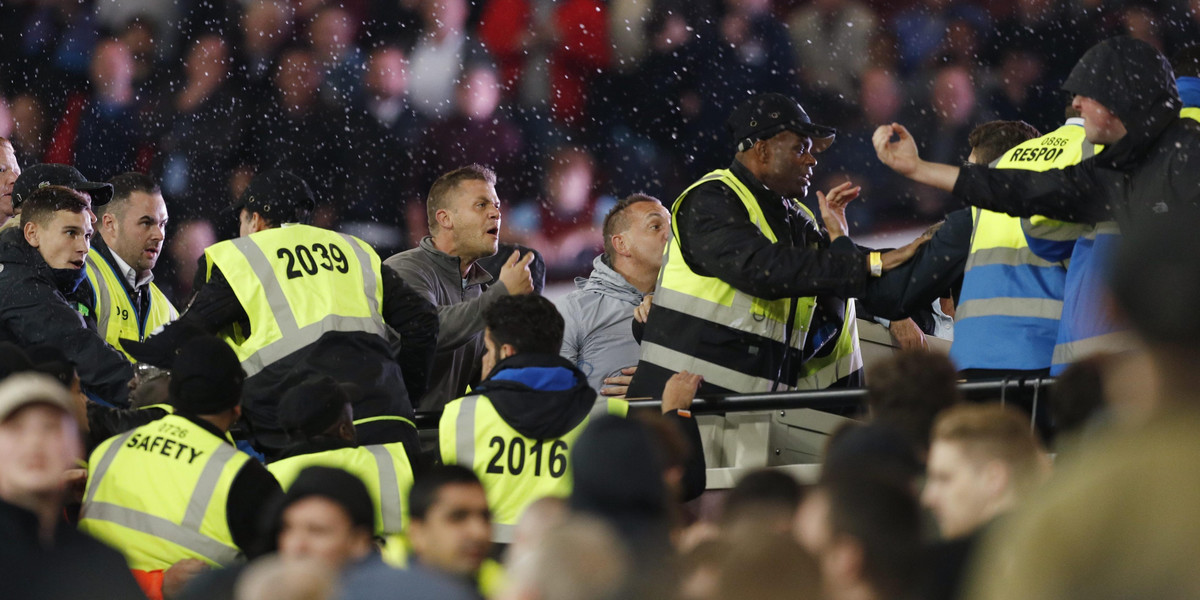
{"points": [[901, 155]]}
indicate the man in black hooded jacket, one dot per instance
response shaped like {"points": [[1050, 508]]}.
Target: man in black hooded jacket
{"points": [[1150, 167], [41, 264], [517, 427]]}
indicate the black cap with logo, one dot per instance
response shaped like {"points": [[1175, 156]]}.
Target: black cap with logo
{"points": [[279, 196], [44, 174], [763, 116]]}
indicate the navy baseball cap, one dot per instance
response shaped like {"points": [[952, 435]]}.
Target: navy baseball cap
{"points": [[44, 174], [763, 116]]}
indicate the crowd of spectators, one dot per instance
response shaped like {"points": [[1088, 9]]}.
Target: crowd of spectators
{"points": [[572, 103], [121, 480]]}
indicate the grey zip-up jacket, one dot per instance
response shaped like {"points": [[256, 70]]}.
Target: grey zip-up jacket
{"points": [[598, 338], [460, 303]]}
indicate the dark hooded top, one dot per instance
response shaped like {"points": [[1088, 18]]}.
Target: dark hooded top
{"points": [[34, 309], [544, 396], [1153, 170]]}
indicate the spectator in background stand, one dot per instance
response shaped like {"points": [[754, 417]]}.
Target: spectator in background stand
{"points": [[266, 25], [475, 133], [754, 51], [44, 557], [101, 132], [203, 125], [951, 114], [142, 39], [385, 130], [332, 33], [831, 38], [923, 27], [29, 135], [598, 338], [296, 131], [567, 225], [439, 57]]}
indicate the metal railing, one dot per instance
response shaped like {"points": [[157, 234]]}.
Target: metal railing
{"points": [[993, 389]]}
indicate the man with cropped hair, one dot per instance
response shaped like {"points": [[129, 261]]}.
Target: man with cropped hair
{"points": [[598, 314], [120, 292], [983, 462], [464, 226], [41, 265]]}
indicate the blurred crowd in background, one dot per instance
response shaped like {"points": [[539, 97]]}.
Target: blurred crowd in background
{"points": [[574, 102]]}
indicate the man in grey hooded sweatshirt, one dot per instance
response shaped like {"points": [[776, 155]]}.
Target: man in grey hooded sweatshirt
{"points": [[599, 336]]}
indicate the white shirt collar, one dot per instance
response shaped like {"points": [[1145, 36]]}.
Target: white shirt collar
{"points": [[129, 274]]}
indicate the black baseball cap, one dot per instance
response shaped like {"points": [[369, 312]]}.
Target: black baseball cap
{"points": [[44, 174], [280, 196], [763, 116]]}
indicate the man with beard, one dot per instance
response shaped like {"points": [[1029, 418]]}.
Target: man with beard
{"points": [[120, 293]]}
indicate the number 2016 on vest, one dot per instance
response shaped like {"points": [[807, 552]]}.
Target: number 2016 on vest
{"points": [[513, 461]]}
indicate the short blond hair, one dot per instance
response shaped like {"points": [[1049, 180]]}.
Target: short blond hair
{"points": [[987, 432]]}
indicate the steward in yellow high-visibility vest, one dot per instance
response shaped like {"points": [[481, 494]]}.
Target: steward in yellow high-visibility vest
{"points": [[318, 418], [176, 488], [747, 262], [516, 428], [294, 301], [123, 299]]}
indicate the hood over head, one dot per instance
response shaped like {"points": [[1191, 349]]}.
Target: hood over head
{"points": [[1131, 79]]}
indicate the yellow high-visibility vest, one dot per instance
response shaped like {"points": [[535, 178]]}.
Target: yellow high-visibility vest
{"points": [[515, 470], [709, 302], [297, 283], [158, 494], [383, 468], [116, 314]]}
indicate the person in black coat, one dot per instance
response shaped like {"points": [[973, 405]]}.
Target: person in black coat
{"points": [[41, 264]]}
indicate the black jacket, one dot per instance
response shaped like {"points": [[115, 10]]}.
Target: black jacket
{"points": [[537, 409], [73, 565], [388, 381], [34, 309], [1153, 171], [718, 239], [934, 271]]}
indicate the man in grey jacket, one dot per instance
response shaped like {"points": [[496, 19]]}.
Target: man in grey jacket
{"points": [[599, 315], [464, 225]]}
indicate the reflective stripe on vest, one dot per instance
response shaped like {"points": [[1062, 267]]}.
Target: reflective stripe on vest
{"points": [[1011, 301], [134, 499], [383, 468], [821, 372], [116, 313], [515, 470], [710, 300], [297, 283], [1117, 341]]}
